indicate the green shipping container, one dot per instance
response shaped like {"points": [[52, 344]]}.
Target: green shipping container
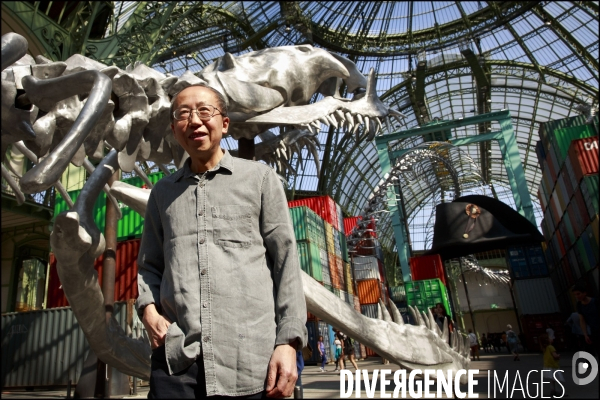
{"points": [[561, 139], [308, 226], [130, 226], [426, 294], [547, 129], [344, 247], [589, 190], [310, 259]]}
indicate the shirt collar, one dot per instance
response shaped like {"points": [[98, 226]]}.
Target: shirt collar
{"points": [[226, 162]]}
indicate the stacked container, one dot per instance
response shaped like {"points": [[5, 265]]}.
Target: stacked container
{"points": [[323, 254], [426, 294], [568, 194]]}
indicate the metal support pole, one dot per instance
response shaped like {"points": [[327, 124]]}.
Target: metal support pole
{"points": [[515, 171], [467, 295], [396, 214], [108, 273]]}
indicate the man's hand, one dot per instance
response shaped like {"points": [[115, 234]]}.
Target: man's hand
{"points": [[283, 372], [156, 326]]}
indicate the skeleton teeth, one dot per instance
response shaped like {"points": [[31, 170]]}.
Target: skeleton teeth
{"points": [[367, 125], [360, 118], [349, 120], [340, 115], [316, 125], [388, 125], [378, 123], [332, 121], [324, 120]]}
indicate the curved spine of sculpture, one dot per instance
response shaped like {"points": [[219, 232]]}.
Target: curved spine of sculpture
{"points": [[84, 117]]}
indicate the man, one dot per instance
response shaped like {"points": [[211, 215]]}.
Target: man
{"points": [[474, 345], [587, 308], [220, 290]]}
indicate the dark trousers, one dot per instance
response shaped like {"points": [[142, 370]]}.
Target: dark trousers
{"points": [[187, 384]]}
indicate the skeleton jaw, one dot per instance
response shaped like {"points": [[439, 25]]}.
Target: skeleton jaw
{"points": [[368, 111]]}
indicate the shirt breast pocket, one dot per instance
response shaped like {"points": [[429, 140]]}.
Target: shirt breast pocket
{"points": [[232, 226]]}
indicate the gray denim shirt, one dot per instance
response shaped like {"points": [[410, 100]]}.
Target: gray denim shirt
{"points": [[218, 258]]}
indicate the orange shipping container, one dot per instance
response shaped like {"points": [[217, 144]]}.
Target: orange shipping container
{"points": [[125, 275], [369, 291], [336, 270]]}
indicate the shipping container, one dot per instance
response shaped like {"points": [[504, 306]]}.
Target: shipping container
{"points": [[324, 260], [547, 128], [397, 293], [45, 348], [312, 327], [562, 138], [344, 246], [324, 206], [310, 259], [369, 291], [535, 296], [340, 218], [589, 191], [350, 223], [126, 269], [365, 268], [130, 226], [426, 294], [336, 270], [329, 242], [427, 267], [348, 277], [517, 261], [583, 157], [539, 151], [324, 331], [308, 226], [370, 310]]}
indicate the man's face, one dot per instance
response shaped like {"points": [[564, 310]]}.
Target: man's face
{"points": [[201, 139], [580, 296], [439, 309]]}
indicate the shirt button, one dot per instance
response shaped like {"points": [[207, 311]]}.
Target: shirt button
{"points": [[204, 305], [201, 213], [203, 272], [202, 241], [206, 338]]}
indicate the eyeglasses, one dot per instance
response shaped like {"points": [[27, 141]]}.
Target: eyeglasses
{"points": [[205, 113]]}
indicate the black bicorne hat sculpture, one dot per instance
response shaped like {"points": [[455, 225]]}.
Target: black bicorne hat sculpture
{"points": [[474, 223]]}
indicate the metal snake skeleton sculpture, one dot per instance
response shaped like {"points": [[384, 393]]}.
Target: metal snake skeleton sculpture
{"points": [[88, 106]]}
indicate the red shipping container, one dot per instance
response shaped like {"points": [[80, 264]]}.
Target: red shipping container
{"points": [[350, 223], [125, 275], [427, 267], [583, 154], [324, 206], [369, 291]]}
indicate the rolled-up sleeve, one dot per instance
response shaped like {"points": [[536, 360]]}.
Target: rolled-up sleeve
{"points": [[151, 263], [279, 239]]}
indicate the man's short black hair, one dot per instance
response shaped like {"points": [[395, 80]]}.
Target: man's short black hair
{"points": [[579, 287]]}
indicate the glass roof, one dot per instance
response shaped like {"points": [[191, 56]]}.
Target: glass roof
{"points": [[537, 59]]}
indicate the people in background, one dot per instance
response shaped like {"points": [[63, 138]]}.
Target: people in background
{"points": [[322, 354], [578, 340], [512, 341], [587, 308], [550, 333], [484, 342], [339, 362], [522, 342], [349, 351], [552, 373], [504, 342], [474, 345]]}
